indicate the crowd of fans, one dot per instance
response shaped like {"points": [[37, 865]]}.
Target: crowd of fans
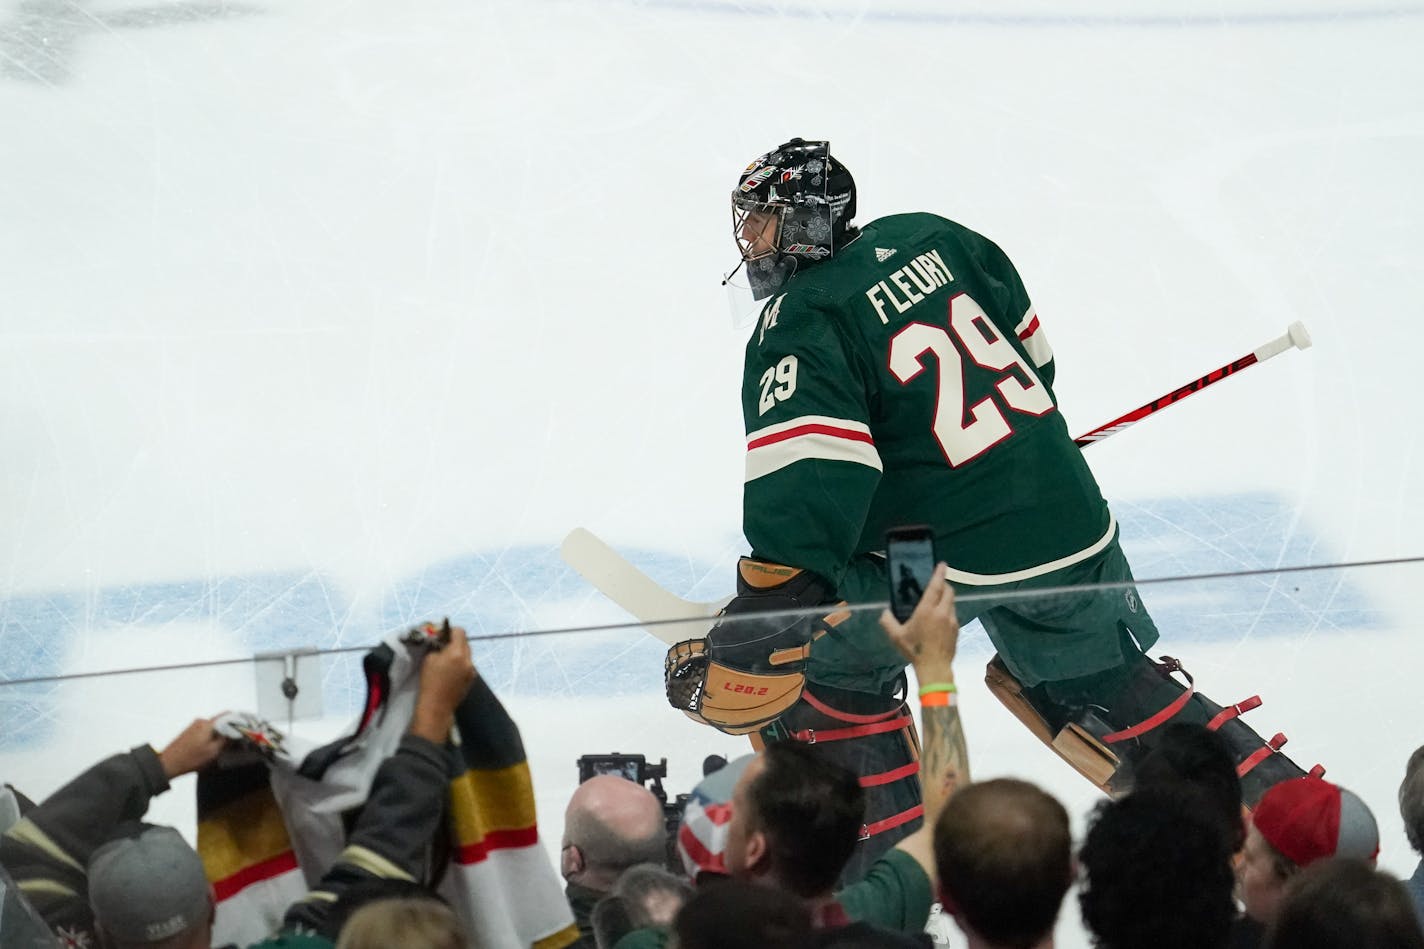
{"points": [[1175, 863]]}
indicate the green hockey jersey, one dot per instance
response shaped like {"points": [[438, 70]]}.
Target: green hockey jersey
{"points": [[907, 381]]}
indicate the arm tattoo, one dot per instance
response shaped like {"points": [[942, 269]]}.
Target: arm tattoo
{"points": [[944, 760]]}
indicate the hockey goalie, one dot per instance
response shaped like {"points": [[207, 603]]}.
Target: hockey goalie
{"points": [[897, 373]]}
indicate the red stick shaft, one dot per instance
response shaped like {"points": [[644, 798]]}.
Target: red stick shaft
{"points": [[1158, 404]]}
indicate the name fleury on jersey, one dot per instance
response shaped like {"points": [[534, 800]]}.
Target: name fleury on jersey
{"points": [[927, 272]]}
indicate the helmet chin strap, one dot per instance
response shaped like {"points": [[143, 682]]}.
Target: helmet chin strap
{"points": [[727, 278]]}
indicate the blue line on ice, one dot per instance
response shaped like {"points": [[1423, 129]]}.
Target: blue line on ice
{"points": [[528, 587]]}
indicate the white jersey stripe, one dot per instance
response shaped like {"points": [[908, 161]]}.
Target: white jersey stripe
{"points": [[817, 442], [988, 579], [1034, 339]]}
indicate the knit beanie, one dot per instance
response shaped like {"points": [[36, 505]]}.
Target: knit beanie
{"points": [[702, 838]]}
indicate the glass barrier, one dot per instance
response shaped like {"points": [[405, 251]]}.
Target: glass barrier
{"points": [[1332, 652]]}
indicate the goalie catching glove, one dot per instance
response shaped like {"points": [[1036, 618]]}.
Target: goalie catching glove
{"points": [[750, 668]]}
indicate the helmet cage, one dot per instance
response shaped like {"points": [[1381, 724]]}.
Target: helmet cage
{"points": [[789, 186]]}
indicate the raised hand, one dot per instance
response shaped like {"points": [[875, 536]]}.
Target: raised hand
{"points": [[196, 747], [446, 675]]}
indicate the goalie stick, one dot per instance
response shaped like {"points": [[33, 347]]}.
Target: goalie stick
{"points": [[673, 619], [1295, 338], [657, 609]]}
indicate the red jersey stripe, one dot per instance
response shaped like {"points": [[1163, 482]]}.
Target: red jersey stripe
{"points": [[815, 428], [266, 870], [497, 840]]}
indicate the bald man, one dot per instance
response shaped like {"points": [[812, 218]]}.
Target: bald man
{"points": [[611, 824]]}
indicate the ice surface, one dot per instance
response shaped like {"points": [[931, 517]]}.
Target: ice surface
{"points": [[318, 319]]}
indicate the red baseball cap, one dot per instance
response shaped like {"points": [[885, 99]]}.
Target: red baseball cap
{"points": [[1308, 819]]}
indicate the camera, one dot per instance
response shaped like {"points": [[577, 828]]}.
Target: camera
{"points": [[636, 768], [633, 767]]}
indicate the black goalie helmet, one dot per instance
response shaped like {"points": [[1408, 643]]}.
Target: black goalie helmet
{"points": [[792, 207]]}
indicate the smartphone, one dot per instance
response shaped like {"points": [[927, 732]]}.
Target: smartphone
{"points": [[910, 557]]}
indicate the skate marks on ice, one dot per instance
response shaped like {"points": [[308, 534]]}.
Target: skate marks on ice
{"points": [[40, 41], [1101, 14], [529, 589]]}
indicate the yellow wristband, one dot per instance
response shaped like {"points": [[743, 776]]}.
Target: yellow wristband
{"points": [[929, 687]]}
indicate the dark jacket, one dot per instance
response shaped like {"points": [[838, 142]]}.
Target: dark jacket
{"points": [[47, 852]]}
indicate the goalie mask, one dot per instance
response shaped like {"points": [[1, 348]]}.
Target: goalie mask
{"points": [[792, 208]]}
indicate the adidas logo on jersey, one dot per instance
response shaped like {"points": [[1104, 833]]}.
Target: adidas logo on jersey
{"points": [[882, 255]]}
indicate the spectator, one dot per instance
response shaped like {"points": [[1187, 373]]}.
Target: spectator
{"points": [[702, 835], [401, 815], [1004, 853], [408, 922], [95, 872], [480, 847], [20, 925], [645, 896], [654, 896], [1156, 873], [1344, 903], [796, 819], [1411, 808], [1296, 823], [151, 875], [736, 914], [610, 824], [610, 921], [1194, 755], [147, 886]]}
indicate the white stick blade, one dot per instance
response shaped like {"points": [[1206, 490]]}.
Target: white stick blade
{"points": [[612, 575], [1299, 335]]}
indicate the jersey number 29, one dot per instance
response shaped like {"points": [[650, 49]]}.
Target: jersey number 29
{"points": [[965, 435], [777, 384]]}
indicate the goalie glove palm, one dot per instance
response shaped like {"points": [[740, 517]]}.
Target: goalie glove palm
{"points": [[750, 668]]}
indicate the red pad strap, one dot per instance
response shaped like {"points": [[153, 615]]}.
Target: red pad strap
{"points": [[1233, 711], [1245, 767], [840, 716], [889, 777], [1167, 666], [881, 826], [1261, 754], [811, 736]]}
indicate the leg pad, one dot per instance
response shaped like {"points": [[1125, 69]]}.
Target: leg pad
{"points": [[875, 737], [1102, 725], [1074, 744]]}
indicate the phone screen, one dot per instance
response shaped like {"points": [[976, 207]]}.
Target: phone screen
{"points": [[910, 556]]}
